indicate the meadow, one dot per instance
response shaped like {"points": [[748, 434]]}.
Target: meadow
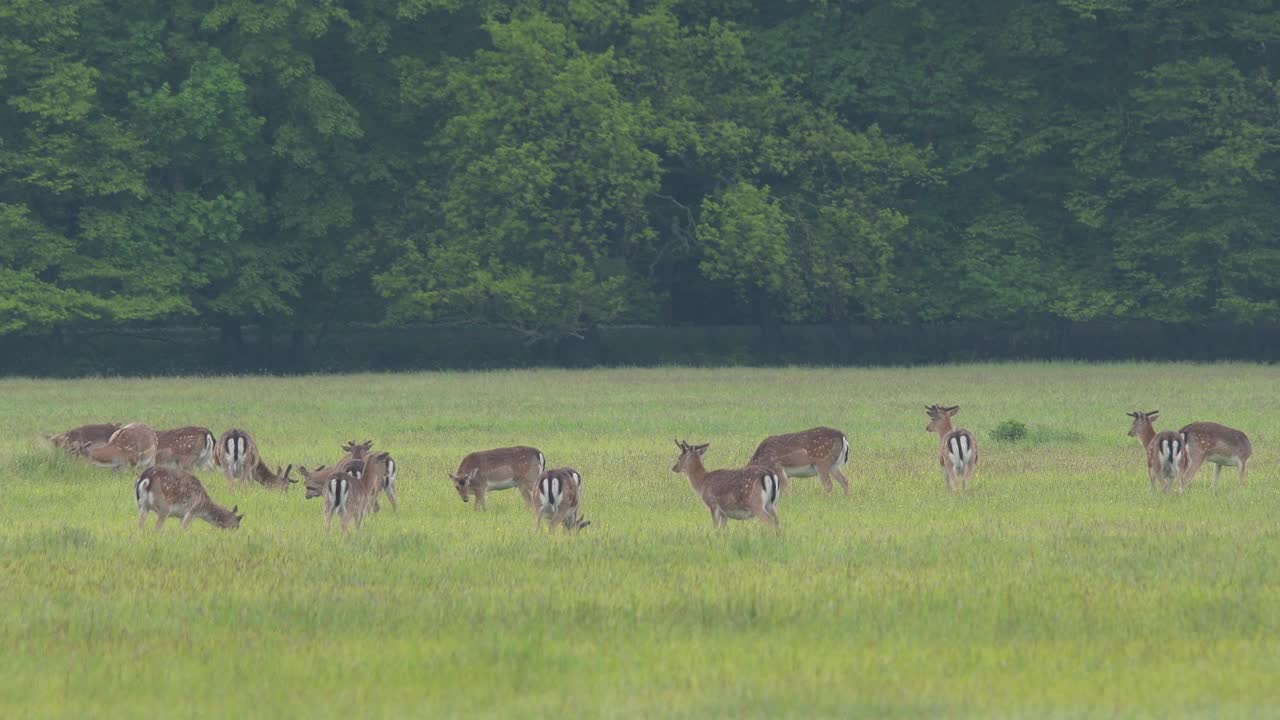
{"points": [[1058, 586]]}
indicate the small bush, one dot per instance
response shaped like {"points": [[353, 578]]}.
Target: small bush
{"points": [[1009, 431]]}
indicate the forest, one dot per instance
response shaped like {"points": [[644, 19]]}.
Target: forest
{"points": [[552, 167]]}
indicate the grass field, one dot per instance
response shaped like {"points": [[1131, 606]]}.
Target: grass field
{"points": [[1059, 586]]}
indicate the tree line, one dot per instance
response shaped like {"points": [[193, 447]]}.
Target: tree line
{"points": [[549, 167]]}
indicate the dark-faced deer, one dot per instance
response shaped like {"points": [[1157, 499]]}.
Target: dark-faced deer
{"points": [[820, 451], [499, 469], [737, 494], [958, 453], [168, 491]]}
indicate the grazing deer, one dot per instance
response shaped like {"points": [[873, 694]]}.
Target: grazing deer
{"points": [[273, 480], [958, 453], [557, 499], [84, 438], [237, 455], [336, 490], [167, 491], [1217, 444], [351, 493], [133, 445], [820, 451], [185, 448], [740, 494], [357, 452], [499, 469], [315, 481]]}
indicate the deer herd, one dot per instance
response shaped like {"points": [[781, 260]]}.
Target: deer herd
{"points": [[352, 487]]}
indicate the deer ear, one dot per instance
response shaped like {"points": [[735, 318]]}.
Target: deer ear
{"points": [[234, 509], [700, 449]]}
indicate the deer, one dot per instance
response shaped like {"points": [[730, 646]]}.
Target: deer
{"points": [[737, 494], [557, 499], [1205, 441], [1217, 444], [237, 455], [820, 451], [958, 453], [1167, 460], [499, 469], [388, 485], [273, 480], [169, 491], [357, 452], [185, 448], [351, 493], [133, 445], [81, 439], [316, 481], [336, 489]]}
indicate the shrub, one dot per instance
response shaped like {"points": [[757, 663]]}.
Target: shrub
{"points": [[1009, 431]]}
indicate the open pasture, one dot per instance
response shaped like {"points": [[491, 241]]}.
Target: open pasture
{"points": [[1058, 585]]}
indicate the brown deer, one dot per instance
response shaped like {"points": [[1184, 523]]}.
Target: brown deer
{"points": [[1205, 441], [1167, 460], [185, 448], [351, 494], [82, 439], [558, 499], [820, 451], [958, 453], [133, 445], [357, 452], [1217, 444], [388, 484], [738, 494], [273, 480], [316, 481], [167, 491], [237, 455], [336, 489], [499, 469]]}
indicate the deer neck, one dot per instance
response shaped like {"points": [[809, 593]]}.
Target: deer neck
{"points": [[1146, 431], [215, 514], [697, 472], [944, 428]]}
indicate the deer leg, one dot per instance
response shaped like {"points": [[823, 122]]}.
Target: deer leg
{"points": [[160, 518], [1193, 467], [825, 476], [1240, 469], [840, 478], [784, 480], [186, 519], [537, 520], [558, 517], [142, 518], [328, 519], [391, 498], [1151, 473], [480, 500]]}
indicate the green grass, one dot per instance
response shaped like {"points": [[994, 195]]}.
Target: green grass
{"points": [[1058, 587]]}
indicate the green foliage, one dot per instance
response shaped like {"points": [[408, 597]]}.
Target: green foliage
{"points": [[1009, 431], [551, 166]]}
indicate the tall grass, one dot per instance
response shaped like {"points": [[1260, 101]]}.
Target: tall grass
{"points": [[1058, 586]]}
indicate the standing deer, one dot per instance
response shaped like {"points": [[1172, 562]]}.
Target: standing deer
{"points": [[133, 445], [1217, 444], [820, 451], [558, 498], [167, 491], [739, 494], [185, 448], [338, 486], [237, 455], [388, 484], [1167, 460], [356, 452], [1205, 441], [352, 493], [958, 453], [499, 469], [84, 438]]}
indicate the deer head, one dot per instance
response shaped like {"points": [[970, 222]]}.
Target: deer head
{"points": [[939, 416], [1142, 420], [687, 454]]}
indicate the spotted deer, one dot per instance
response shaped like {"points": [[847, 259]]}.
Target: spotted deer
{"points": [[133, 445], [276, 480], [499, 469], [1167, 461], [387, 486], [1205, 442], [737, 494], [357, 452], [84, 438], [185, 448], [237, 455], [958, 453], [1216, 444], [169, 491], [820, 451], [558, 499], [336, 490]]}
